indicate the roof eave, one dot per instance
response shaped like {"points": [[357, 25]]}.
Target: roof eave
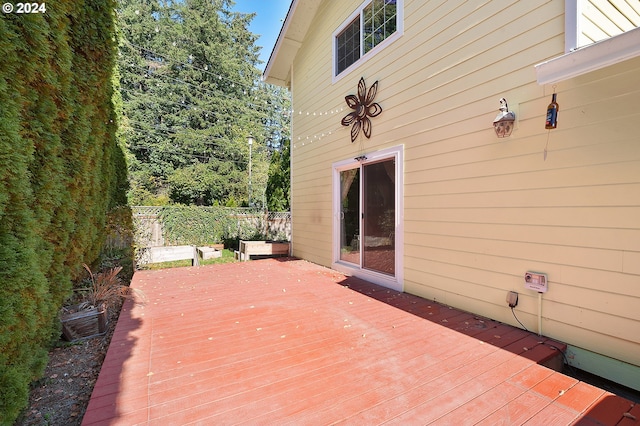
{"points": [[295, 26]]}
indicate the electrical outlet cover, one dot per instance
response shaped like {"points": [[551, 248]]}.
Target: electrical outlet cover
{"points": [[536, 281]]}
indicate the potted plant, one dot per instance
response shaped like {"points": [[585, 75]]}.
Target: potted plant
{"points": [[90, 316]]}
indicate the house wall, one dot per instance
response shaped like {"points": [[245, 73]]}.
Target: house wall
{"points": [[481, 211]]}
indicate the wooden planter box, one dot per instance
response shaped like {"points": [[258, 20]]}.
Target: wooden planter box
{"points": [[211, 251], [84, 324], [262, 248]]}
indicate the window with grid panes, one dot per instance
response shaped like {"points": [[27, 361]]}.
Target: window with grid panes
{"points": [[376, 20]]}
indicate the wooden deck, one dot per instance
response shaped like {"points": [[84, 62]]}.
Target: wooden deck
{"points": [[288, 342]]}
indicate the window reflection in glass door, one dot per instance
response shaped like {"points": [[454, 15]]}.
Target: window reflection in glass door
{"points": [[350, 216], [379, 217]]}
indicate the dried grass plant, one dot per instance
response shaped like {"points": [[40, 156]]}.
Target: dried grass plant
{"points": [[106, 287]]}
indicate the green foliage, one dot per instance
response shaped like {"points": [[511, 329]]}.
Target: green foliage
{"points": [[196, 225], [193, 225], [278, 184], [58, 174], [205, 184], [191, 96]]}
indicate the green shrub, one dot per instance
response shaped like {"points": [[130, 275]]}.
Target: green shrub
{"points": [[61, 170], [197, 225]]}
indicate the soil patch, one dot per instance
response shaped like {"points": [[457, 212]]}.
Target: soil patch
{"points": [[61, 396]]}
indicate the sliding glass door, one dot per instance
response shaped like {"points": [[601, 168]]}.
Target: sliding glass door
{"points": [[368, 215], [378, 217]]}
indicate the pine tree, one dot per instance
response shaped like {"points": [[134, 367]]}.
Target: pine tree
{"points": [[278, 185], [192, 96]]}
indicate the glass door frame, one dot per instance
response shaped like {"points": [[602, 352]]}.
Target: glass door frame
{"points": [[395, 281]]}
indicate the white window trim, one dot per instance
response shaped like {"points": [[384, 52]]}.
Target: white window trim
{"points": [[393, 282], [572, 10], [589, 58], [365, 57]]}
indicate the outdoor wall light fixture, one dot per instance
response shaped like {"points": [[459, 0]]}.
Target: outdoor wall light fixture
{"points": [[503, 124]]}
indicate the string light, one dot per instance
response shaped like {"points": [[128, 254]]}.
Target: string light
{"points": [[311, 139], [246, 90], [303, 112], [183, 106], [212, 146], [205, 69], [305, 140]]}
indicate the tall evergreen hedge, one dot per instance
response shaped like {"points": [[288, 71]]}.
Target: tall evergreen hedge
{"points": [[60, 172]]}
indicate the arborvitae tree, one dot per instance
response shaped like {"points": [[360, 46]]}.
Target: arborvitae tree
{"points": [[21, 279], [192, 96], [57, 174]]}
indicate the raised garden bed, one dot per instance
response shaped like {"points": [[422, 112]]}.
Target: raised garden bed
{"points": [[262, 248], [210, 252]]}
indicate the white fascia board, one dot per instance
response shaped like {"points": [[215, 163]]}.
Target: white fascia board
{"points": [[276, 48], [590, 58]]}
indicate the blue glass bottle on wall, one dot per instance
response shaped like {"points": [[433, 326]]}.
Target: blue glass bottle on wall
{"points": [[552, 114]]}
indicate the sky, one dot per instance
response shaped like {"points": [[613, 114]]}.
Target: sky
{"points": [[269, 18]]}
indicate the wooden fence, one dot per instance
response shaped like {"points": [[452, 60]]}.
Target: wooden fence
{"points": [[149, 229]]}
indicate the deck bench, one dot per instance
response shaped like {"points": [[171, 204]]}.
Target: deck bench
{"points": [[171, 253]]}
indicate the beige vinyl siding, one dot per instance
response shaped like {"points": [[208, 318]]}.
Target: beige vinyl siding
{"points": [[601, 19], [480, 211]]}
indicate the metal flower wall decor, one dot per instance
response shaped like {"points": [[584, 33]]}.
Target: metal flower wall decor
{"points": [[363, 107]]}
